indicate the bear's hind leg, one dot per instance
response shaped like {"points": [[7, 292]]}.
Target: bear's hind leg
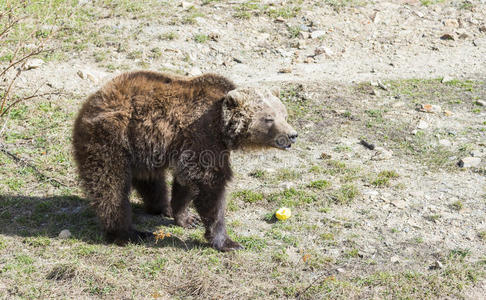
{"points": [[107, 180], [181, 198], [154, 195]]}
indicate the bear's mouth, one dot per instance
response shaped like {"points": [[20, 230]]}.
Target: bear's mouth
{"points": [[283, 143]]}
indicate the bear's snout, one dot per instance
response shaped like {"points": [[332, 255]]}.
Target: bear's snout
{"points": [[293, 137]]}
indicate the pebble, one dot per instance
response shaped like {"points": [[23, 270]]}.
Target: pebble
{"points": [[323, 50], [447, 37], [33, 63], [65, 234], [285, 70], [194, 71], [437, 265], [317, 34], [451, 23], [429, 108], [382, 154], [447, 79], [469, 162], [304, 35], [89, 74], [476, 153], [186, 5], [480, 102], [395, 259], [482, 28], [422, 124], [445, 143]]}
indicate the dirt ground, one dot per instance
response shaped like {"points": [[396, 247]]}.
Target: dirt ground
{"points": [[400, 221]]}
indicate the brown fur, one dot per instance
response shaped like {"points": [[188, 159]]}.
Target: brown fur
{"points": [[142, 123]]}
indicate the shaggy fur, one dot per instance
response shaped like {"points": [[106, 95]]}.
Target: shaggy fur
{"points": [[142, 123]]}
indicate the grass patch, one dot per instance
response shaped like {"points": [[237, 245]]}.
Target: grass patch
{"points": [[346, 194], [248, 196]]}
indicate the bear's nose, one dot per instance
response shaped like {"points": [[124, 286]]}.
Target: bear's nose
{"points": [[293, 137]]}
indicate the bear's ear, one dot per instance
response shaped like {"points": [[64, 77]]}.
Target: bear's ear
{"points": [[275, 91], [233, 99]]}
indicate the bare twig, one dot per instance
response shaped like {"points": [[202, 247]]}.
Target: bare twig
{"points": [[25, 163]]}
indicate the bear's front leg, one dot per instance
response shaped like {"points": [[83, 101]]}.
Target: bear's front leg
{"points": [[210, 204]]}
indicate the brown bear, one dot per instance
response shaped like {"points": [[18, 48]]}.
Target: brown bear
{"points": [[142, 123]]}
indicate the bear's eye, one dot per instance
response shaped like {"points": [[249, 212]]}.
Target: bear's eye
{"points": [[269, 120]]}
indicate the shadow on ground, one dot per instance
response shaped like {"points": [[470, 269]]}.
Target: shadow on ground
{"points": [[37, 216]]}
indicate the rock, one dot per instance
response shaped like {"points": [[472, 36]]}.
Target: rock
{"points": [[317, 34], [469, 162], [437, 265], [464, 36], [33, 63], [476, 153], [304, 35], [301, 44], [186, 5], [422, 125], [429, 108], [477, 43], [447, 37], [482, 28], [395, 259], [382, 154], [340, 270], [304, 27], [194, 71], [446, 79], [480, 102], [91, 75], [65, 234], [324, 155], [280, 20], [285, 70], [451, 23], [323, 50], [445, 143]]}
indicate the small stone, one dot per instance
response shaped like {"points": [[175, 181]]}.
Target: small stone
{"points": [[33, 63], [186, 5], [382, 154], [309, 60], [340, 270], [476, 153], [477, 43], [304, 35], [324, 155], [437, 265], [285, 70], [301, 44], [65, 234], [482, 28], [317, 34], [280, 20], [304, 27], [446, 79], [429, 108], [395, 259], [451, 23], [194, 71], [469, 162], [447, 37], [480, 102], [464, 36], [323, 50], [87, 74], [422, 125], [445, 143], [448, 113]]}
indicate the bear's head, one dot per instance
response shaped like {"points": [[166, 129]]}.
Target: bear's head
{"points": [[256, 118]]}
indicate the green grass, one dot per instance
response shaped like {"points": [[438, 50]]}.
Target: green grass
{"points": [[248, 196]]}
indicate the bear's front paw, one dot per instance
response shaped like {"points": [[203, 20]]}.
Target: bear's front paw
{"points": [[227, 245], [187, 220]]}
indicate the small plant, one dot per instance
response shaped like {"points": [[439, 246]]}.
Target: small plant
{"points": [[201, 38], [383, 178], [320, 184], [168, 36], [346, 194], [248, 196], [457, 205]]}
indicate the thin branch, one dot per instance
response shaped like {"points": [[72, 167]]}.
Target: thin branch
{"points": [[25, 163], [27, 98]]}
